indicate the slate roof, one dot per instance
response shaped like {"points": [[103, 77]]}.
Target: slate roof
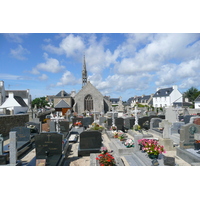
{"points": [[163, 92], [62, 104], [64, 93], [114, 100], [21, 93], [197, 99]]}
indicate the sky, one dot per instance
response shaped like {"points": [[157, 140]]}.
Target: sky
{"points": [[118, 64]]}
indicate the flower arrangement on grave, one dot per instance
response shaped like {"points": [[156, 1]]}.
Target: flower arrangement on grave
{"points": [[113, 128], [136, 127], [153, 149], [197, 141], [121, 135], [129, 143], [96, 126], [77, 123], [115, 134], [105, 158]]}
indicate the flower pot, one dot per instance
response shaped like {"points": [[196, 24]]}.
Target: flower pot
{"points": [[115, 136], [196, 146], [152, 156]]}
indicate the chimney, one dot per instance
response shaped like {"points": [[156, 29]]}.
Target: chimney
{"points": [[10, 95], [175, 87]]}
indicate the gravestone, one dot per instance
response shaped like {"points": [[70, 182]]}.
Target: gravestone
{"points": [[175, 128], [13, 147], [1, 144], [187, 135], [35, 127], [87, 121], [109, 122], [119, 122], [90, 142], [187, 118], [144, 122], [52, 126], [197, 121], [49, 146], [171, 114], [23, 134], [64, 128], [154, 123], [102, 120], [129, 122]]}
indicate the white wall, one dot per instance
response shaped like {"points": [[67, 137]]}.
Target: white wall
{"points": [[197, 105]]}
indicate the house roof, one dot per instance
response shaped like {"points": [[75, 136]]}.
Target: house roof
{"points": [[163, 92], [20, 101], [62, 104], [197, 99], [114, 100], [62, 94], [21, 93]]}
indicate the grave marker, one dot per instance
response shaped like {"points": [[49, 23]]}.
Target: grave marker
{"points": [[187, 135], [119, 122], [90, 142], [64, 128]]}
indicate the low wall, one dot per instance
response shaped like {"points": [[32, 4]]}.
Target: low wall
{"points": [[10, 121]]}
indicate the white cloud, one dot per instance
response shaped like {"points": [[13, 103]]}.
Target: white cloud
{"points": [[67, 79], [10, 77], [19, 53], [51, 65], [47, 40], [43, 77], [15, 37]]}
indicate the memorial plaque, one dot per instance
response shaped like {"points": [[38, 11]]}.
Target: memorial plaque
{"points": [[23, 134], [170, 161]]}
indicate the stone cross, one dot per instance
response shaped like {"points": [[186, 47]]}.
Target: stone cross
{"points": [[177, 112], [136, 116]]}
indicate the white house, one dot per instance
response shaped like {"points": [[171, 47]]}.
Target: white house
{"points": [[167, 97], [197, 102], [14, 104]]}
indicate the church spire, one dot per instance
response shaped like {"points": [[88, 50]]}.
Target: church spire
{"points": [[84, 73]]}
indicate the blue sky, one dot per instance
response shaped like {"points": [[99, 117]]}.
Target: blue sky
{"points": [[118, 64]]}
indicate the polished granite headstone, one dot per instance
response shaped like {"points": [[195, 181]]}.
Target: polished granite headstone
{"points": [[34, 127], [90, 142], [64, 128], [119, 122]]}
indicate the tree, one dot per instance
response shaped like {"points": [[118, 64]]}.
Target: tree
{"points": [[191, 94], [39, 102]]}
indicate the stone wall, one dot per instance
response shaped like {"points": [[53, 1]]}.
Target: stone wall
{"points": [[10, 121]]}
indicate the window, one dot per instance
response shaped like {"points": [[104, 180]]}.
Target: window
{"points": [[88, 103]]}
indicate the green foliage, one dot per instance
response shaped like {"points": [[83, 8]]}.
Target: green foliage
{"points": [[39, 102], [192, 94]]}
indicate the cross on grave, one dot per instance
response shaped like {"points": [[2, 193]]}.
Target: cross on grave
{"points": [[136, 116], [177, 109]]}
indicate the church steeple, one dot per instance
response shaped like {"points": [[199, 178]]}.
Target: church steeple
{"points": [[84, 73]]}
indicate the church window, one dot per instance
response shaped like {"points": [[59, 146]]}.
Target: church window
{"points": [[88, 103]]}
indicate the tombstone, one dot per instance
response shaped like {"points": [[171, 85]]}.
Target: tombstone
{"points": [[187, 118], [49, 146], [119, 122], [175, 128], [187, 135], [52, 126], [87, 121], [35, 127], [1, 144], [64, 128], [166, 131], [90, 142], [171, 114], [129, 122], [102, 120], [23, 134], [154, 123], [13, 147], [197, 121], [109, 122]]}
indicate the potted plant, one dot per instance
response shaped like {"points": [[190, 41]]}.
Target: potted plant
{"points": [[196, 144], [129, 143], [121, 135], [153, 149], [113, 128], [105, 158], [115, 134], [136, 127]]}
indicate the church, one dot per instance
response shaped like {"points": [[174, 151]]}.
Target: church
{"points": [[89, 99]]}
